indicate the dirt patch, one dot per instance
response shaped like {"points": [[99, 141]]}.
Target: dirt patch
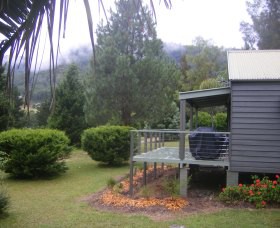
{"points": [[158, 201]]}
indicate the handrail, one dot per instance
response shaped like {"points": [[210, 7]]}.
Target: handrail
{"points": [[175, 131]]}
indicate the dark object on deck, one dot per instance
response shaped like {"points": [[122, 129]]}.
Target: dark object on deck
{"points": [[206, 144]]}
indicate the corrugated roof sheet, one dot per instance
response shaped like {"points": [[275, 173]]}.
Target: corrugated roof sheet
{"points": [[254, 65]]}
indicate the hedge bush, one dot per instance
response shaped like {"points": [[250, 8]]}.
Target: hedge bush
{"points": [[204, 120], [108, 144], [220, 121], [33, 153]]}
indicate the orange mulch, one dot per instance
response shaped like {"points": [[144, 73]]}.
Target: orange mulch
{"points": [[122, 199], [110, 197]]}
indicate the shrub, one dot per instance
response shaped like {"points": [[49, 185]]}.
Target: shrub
{"points": [[109, 144], [111, 182], [4, 199], [171, 186], [204, 120], [260, 192], [220, 121], [29, 153]]}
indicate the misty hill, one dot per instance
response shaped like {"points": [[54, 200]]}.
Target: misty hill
{"points": [[81, 57]]}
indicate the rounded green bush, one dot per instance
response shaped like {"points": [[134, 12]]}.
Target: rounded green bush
{"points": [[33, 153], [204, 120], [108, 144], [220, 121]]}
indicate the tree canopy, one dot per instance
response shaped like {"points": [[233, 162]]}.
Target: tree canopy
{"points": [[264, 32], [20, 24], [202, 61], [68, 113], [132, 79]]}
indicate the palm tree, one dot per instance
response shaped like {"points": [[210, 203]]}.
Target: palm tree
{"points": [[20, 24]]}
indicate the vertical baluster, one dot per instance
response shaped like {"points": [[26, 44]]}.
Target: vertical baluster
{"points": [[151, 141]]}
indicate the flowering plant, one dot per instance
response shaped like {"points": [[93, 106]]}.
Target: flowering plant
{"points": [[260, 192]]}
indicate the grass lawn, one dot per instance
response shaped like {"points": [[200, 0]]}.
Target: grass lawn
{"points": [[57, 203]]}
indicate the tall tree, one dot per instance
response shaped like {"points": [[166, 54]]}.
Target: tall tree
{"points": [[11, 114], [69, 115], [21, 23], [202, 61], [133, 80], [264, 32]]}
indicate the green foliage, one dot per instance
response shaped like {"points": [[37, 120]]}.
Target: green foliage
{"points": [[109, 144], [43, 114], [133, 80], [68, 114], [111, 182], [4, 198], [147, 191], [171, 121], [203, 61], [29, 153], [118, 188], [171, 186], [209, 84], [220, 121], [261, 192], [11, 114], [204, 120], [264, 31]]}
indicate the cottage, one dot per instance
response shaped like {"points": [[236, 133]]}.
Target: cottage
{"points": [[252, 142]]}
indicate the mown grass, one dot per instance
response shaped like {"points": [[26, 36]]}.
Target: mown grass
{"points": [[58, 203]]}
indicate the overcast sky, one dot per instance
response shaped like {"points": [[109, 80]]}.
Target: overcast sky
{"points": [[218, 20]]}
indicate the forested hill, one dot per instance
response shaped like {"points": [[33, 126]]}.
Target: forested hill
{"points": [[82, 56]]}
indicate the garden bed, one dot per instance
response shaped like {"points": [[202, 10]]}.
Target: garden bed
{"points": [[156, 201]]}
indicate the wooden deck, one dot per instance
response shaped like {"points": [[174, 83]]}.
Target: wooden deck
{"points": [[171, 155]]}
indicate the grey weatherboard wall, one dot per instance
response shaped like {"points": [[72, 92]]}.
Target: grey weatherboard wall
{"points": [[255, 126]]}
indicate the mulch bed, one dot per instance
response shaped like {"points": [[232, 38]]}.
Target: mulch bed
{"points": [[202, 196]]}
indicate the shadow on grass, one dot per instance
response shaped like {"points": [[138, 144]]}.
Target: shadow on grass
{"points": [[4, 215]]}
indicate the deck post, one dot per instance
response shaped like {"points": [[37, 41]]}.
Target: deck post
{"points": [[196, 117], [151, 141], [191, 118], [145, 173], [145, 143], [131, 164], [155, 170], [184, 180], [156, 140], [182, 128], [232, 178]]}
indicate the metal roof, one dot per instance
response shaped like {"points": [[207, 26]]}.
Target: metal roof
{"points": [[207, 97], [254, 64]]}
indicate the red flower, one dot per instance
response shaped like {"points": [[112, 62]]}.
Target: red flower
{"points": [[258, 181], [223, 189], [251, 193], [273, 186], [274, 182], [263, 203], [277, 176], [240, 185], [264, 185], [259, 193], [252, 185]]}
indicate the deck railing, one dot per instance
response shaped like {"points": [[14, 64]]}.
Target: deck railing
{"points": [[201, 145]]}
